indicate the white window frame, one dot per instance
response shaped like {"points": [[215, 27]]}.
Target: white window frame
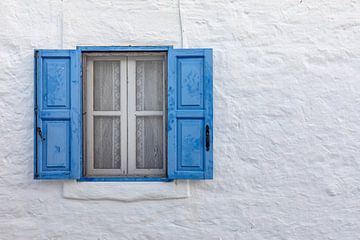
{"points": [[132, 114], [127, 114]]}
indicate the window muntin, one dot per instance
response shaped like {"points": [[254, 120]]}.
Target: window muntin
{"points": [[125, 117]]}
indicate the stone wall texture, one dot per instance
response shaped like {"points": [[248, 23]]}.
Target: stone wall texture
{"points": [[286, 121]]}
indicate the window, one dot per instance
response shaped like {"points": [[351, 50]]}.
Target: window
{"points": [[123, 114]]}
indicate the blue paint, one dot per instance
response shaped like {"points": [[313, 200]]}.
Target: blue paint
{"points": [[35, 114], [79, 132], [190, 147], [56, 146], [190, 82], [58, 99], [208, 75], [76, 115], [189, 111], [124, 48], [56, 82]]}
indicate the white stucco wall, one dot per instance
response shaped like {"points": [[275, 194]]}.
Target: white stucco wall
{"points": [[286, 121]]}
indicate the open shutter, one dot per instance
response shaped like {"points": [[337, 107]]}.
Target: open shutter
{"points": [[190, 114], [57, 114]]}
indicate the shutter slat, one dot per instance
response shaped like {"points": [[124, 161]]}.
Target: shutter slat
{"points": [[189, 114]]}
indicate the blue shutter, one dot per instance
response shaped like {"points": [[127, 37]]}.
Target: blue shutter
{"points": [[190, 114], [58, 118]]}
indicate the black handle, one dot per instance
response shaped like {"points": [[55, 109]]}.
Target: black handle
{"points": [[40, 134], [207, 133]]}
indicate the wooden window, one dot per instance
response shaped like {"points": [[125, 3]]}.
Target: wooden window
{"points": [[147, 113], [125, 122]]}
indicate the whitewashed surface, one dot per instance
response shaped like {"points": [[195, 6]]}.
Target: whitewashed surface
{"points": [[286, 120]]}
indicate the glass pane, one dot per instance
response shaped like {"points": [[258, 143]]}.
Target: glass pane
{"points": [[107, 142], [106, 86], [149, 85], [149, 142]]}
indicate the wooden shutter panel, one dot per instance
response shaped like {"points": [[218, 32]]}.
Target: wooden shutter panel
{"points": [[190, 114], [58, 123]]}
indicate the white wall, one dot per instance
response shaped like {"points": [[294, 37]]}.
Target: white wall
{"points": [[287, 121]]}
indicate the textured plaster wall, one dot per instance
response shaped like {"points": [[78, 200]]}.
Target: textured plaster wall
{"points": [[286, 121]]}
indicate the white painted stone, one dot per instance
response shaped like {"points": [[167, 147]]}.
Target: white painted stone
{"points": [[286, 120], [126, 191]]}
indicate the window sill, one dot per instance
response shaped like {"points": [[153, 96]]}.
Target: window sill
{"points": [[125, 179], [126, 192]]}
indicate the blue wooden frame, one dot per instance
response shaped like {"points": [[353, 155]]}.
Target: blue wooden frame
{"points": [[71, 115], [123, 48], [125, 179], [35, 113], [201, 114]]}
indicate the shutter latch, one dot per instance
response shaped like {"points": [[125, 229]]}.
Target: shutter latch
{"points": [[40, 134], [207, 137]]}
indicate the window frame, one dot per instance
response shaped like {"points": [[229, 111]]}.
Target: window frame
{"points": [[118, 50], [133, 113], [88, 121]]}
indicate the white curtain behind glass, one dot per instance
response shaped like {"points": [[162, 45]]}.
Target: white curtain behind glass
{"points": [[106, 128], [149, 129]]}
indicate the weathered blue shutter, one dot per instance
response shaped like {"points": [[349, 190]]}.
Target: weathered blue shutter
{"points": [[190, 114], [57, 114]]}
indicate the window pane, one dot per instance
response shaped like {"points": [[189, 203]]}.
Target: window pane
{"points": [[149, 142], [149, 85], [107, 142], [106, 86]]}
